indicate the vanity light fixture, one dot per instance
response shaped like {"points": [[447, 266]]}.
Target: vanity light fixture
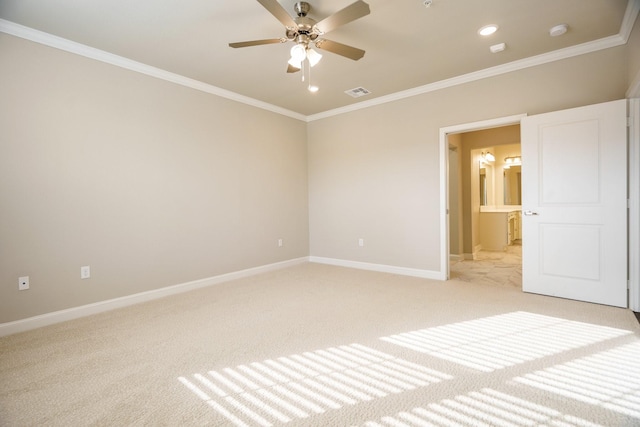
{"points": [[488, 157], [513, 161]]}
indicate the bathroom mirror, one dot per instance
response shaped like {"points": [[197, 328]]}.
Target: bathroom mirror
{"points": [[513, 185], [497, 179], [486, 181]]}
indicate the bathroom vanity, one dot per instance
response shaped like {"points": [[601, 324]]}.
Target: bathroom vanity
{"points": [[499, 227]]}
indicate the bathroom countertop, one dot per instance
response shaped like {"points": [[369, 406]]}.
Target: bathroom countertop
{"points": [[497, 209]]}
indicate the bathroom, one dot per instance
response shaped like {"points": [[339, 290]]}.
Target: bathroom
{"points": [[485, 191]]}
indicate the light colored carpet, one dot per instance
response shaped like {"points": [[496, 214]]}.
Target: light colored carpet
{"points": [[317, 345]]}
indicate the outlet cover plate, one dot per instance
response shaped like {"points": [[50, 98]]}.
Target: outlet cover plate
{"points": [[23, 283]]}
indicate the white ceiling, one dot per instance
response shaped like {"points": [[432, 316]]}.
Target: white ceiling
{"points": [[407, 45]]}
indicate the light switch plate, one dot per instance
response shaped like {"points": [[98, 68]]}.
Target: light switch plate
{"points": [[85, 272]]}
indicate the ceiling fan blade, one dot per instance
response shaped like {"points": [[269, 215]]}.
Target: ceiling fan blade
{"points": [[292, 69], [278, 11], [340, 49], [257, 42], [350, 13]]}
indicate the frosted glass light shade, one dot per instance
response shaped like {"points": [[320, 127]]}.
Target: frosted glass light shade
{"points": [[313, 57], [298, 52], [295, 63]]}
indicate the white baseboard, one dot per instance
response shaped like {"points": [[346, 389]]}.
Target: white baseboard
{"points": [[455, 257], [27, 324], [403, 271]]}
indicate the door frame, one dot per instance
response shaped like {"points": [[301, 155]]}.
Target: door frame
{"points": [[444, 177], [633, 172]]}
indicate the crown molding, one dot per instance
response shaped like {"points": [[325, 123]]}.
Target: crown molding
{"points": [[56, 42], [629, 19], [556, 55]]}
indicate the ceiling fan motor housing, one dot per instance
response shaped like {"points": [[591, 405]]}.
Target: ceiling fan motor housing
{"points": [[304, 33], [305, 27], [302, 8]]}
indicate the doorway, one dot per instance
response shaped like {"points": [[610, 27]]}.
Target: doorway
{"points": [[463, 222], [491, 193]]}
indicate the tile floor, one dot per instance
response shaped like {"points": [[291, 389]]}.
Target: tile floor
{"points": [[498, 268]]}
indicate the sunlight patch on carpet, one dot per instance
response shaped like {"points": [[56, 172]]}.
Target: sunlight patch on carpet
{"points": [[610, 379], [486, 408], [300, 385], [504, 340]]}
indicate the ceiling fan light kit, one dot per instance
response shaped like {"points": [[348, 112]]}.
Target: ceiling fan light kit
{"points": [[313, 57], [298, 53], [305, 32]]}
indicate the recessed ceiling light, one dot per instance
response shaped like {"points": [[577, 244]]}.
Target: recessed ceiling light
{"points": [[487, 30], [558, 30], [312, 89]]}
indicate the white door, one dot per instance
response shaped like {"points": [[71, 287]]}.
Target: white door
{"points": [[574, 204]]}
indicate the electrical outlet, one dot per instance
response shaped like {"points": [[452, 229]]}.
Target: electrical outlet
{"points": [[85, 272], [361, 242], [279, 243], [23, 283]]}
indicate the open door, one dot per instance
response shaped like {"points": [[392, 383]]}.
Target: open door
{"points": [[574, 207]]}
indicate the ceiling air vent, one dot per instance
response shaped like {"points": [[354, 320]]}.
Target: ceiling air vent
{"points": [[357, 92]]}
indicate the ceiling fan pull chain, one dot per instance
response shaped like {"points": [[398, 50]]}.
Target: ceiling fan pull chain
{"points": [[311, 88]]}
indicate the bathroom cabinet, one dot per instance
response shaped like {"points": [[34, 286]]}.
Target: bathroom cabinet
{"points": [[499, 228]]}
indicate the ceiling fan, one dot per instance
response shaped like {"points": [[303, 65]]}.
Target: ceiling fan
{"points": [[304, 32]]}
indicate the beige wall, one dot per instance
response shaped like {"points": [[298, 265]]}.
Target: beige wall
{"points": [[374, 173], [150, 183], [154, 184]]}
